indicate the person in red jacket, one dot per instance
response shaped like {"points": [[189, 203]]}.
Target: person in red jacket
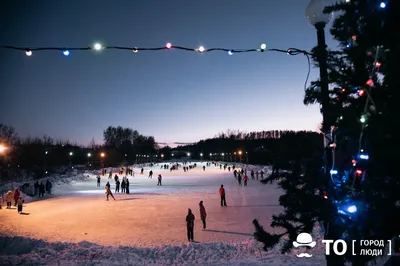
{"points": [[190, 225], [16, 196], [245, 178], [203, 214], [222, 195]]}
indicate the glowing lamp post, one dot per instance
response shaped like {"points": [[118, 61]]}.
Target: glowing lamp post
{"points": [[45, 161], [70, 158], [240, 156], [102, 156], [201, 156], [316, 17]]}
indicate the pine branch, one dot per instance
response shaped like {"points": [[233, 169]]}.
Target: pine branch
{"points": [[269, 240]]}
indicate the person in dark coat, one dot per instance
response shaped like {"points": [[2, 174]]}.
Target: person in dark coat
{"points": [[117, 186], [151, 174], [48, 187], [123, 186], [190, 225], [127, 186], [222, 195], [108, 192], [98, 180], [36, 186], [41, 190], [108, 185], [159, 180], [203, 214]]}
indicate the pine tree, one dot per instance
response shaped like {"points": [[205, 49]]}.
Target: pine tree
{"points": [[361, 199]]}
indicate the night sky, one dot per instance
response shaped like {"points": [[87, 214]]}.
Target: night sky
{"points": [[175, 96]]}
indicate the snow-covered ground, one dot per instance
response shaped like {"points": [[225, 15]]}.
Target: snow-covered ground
{"points": [[77, 226]]}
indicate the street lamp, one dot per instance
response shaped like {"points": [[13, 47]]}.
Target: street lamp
{"points": [[316, 17], [70, 158], [2, 148], [188, 154], [102, 155]]}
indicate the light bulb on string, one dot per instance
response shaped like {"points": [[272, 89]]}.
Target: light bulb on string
{"points": [[263, 47], [230, 52], [168, 45], [201, 49], [361, 92], [66, 52], [382, 5], [363, 119], [135, 50], [97, 46], [28, 52]]}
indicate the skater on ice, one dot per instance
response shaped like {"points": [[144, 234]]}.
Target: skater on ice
{"points": [[117, 183], [41, 190], [98, 180], [123, 185], [222, 195], [16, 196], [108, 191], [49, 186], [190, 225], [9, 198], [20, 203], [127, 186], [159, 180], [203, 214]]}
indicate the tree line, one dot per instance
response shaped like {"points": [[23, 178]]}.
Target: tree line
{"points": [[44, 155], [264, 147]]}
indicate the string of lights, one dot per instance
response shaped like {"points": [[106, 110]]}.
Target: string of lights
{"points": [[99, 47]]}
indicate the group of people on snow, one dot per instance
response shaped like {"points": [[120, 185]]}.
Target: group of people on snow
{"points": [[11, 197]]}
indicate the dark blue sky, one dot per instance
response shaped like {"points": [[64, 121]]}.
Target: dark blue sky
{"points": [[172, 95]]}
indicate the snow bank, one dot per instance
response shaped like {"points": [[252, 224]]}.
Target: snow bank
{"points": [[27, 251]]}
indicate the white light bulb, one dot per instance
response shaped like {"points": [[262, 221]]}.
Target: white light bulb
{"points": [[263, 46], [201, 49], [66, 52], [230, 53], [97, 46], [168, 45], [28, 52]]}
